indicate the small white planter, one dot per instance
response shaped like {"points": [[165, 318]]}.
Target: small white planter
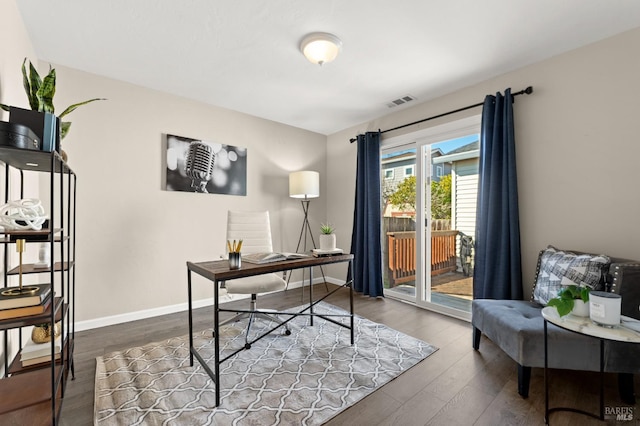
{"points": [[327, 242], [580, 308]]}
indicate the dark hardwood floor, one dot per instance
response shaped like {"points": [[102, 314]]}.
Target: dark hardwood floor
{"points": [[454, 386]]}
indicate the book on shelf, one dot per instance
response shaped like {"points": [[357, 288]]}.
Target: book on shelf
{"points": [[8, 301], [271, 257], [33, 350], [26, 310], [38, 360]]}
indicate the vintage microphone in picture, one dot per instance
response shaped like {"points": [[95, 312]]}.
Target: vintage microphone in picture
{"points": [[199, 165]]}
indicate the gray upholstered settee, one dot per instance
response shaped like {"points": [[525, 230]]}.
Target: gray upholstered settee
{"points": [[517, 327]]}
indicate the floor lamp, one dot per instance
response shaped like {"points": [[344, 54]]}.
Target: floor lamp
{"points": [[304, 186]]}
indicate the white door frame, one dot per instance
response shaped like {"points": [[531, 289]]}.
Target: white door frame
{"points": [[419, 140]]}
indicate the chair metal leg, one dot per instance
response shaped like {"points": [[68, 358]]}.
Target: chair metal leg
{"points": [[252, 316], [246, 333], [235, 318]]}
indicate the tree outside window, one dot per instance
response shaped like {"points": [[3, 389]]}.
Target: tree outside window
{"points": [[404, 197]]}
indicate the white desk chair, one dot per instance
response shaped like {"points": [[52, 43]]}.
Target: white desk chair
{"points": [[254, 229]]}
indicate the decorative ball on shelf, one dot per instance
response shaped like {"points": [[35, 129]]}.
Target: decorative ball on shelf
{"points": [[23, 214], [41, 333]]}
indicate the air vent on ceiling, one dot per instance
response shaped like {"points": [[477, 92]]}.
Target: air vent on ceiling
{"points": [[401, 101]]}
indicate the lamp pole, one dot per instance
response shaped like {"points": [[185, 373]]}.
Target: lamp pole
{"points": [[305, 185], [306, 229]]}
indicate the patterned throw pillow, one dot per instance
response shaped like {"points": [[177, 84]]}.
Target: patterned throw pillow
{"points": [[559, 268]]}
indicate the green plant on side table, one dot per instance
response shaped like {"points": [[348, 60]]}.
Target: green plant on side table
{"points": [[567, 296]]}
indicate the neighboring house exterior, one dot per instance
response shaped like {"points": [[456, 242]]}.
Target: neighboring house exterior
{"points": [[394, 169], [463, 163]]}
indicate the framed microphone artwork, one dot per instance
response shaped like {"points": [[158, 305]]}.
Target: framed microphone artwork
{"points": [[193, 165]]}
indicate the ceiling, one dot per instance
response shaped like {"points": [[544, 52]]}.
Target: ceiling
{"points": [[244, 55]]}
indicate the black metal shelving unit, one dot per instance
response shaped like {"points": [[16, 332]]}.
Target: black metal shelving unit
{"points": [[33, 395]]}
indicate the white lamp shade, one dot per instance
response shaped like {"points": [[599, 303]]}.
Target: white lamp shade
{"points": [[320, 48], [305, 184]]}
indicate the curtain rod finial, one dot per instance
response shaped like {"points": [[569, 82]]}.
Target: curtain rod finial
{"points": [[528, 90]]}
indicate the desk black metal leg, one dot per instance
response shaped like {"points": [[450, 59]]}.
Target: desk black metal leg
{"points": [[190, 318], [351, 304], [216, 339], [546, 377], [310, 293], [601, 379]]}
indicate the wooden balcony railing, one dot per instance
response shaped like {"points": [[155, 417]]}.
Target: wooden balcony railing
{"points": [[402, 254]]}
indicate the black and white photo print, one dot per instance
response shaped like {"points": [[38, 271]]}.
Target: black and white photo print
{"points": [[203, 166]]}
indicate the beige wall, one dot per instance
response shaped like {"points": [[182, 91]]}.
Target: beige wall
{"points": [[14, 47], [133, 237], [577, 150]]}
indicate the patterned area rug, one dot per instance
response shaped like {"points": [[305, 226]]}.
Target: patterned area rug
{"points": [[303, 379]]}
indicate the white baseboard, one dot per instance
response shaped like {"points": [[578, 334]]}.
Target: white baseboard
{"points": [[180, 307]]}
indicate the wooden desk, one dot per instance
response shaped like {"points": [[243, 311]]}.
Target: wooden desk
{"points": [[218, 271]]}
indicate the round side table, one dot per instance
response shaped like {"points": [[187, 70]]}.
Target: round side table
{"points": [[627, 331]]}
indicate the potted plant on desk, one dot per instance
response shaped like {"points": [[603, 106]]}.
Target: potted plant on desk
{"points": [[327, 237], [572, 299]]}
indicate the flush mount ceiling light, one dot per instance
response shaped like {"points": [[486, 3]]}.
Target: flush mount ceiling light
{"points": [[320, 48]]}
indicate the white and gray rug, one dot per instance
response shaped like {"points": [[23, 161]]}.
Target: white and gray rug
{"points": [[303, 379]]}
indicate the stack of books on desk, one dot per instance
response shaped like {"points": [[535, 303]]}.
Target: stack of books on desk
{"points": [[36, 353], [12, 306], [322, 253]]}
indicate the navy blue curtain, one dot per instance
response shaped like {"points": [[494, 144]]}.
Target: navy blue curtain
{"points": [[365, 238], [498, 270]]}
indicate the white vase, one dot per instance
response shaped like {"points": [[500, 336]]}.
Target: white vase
{"points": [[44, 256], [580, 308], [327, 242]]}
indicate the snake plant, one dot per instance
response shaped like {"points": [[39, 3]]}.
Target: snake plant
{"points": [[41, 91]]}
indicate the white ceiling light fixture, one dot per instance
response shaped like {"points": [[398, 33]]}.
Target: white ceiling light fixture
{"points": [[320, 48]]}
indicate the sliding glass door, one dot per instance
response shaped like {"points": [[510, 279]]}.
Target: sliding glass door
{"points": [[429, 187], [399, 221]]}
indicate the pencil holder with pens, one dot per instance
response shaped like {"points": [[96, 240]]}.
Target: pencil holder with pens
{"points": [[235, 259]]}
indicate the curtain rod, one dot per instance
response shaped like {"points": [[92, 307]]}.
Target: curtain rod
{"points": [[527, 91]]}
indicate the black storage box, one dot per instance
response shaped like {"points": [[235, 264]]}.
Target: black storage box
{"points": [[44, 124], [18, 136]]}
